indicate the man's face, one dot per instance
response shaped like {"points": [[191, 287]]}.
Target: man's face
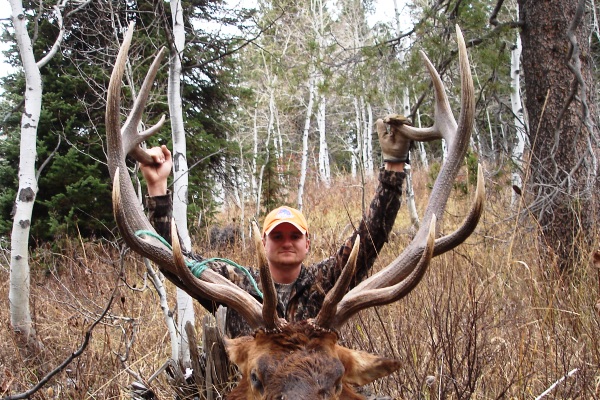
{"points": [[286, 246]]}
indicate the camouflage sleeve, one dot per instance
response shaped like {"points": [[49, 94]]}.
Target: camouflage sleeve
{"points": [[374, 229], [160, 209]]}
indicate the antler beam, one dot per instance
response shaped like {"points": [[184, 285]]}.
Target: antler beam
{"points": [[130, 216]]}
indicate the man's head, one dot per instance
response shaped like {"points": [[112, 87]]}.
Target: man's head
{"points": [[282, 215], [285, 236]]}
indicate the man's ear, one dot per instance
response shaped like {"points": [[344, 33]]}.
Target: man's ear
{"points": [[363, 368]]}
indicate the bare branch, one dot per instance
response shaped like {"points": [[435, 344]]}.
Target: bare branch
{"points": [[238, 48], [494, 17], [47, 160]]}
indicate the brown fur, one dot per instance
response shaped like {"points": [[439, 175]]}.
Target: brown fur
{"points": [[304, 362]]}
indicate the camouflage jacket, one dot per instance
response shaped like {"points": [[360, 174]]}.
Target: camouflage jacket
{"points": [[303, 298]]}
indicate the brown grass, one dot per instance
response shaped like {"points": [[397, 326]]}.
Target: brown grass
{"points": [[490, 319]]}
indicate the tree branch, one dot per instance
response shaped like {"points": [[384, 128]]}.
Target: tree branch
{"points": [[574, 65], [58, 8], [47, 160], [229, 52], [494, 16]]}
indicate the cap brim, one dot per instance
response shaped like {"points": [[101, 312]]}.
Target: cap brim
{"points": [[275, 225]]}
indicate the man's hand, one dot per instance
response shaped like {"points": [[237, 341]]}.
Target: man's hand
{"points": [[156, 174], [394, 146]]}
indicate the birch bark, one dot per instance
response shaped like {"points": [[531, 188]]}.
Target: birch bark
{"points": [[324, 171], [305, 132], [185, 309], [519, 118], [20, 313], [410, 193]]}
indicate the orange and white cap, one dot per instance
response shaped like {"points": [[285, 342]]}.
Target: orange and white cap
{"points": [[285, 214]]}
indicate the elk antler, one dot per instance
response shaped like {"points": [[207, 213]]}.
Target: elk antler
{"points": [[269, 306], [336, 293], [404, 273], [130, 216], [131, 139]]}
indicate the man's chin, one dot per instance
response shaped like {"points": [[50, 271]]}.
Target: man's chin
{"points": [[288, 264]]}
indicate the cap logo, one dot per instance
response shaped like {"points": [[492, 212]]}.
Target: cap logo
{"points": [[284, 213]]}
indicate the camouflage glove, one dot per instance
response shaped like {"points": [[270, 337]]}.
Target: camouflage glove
{"points": [[394, 146]]}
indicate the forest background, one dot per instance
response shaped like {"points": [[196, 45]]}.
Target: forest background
{"points": [[299, 81]]}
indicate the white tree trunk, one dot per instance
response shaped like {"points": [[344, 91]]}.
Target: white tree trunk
{"points": [[364, 122], [262, 168], [352, 149], [254, 169], [324, 170], [410, 198], [185, 308], [359, 136], [305, 132], [492, 155], [318, 11], [273, 124], [410, 193], [18, 296], [239, 192], [519, 119], [274, 132], [421, 145], [365, 134], [369, 140], [164, 306], [444, 151]]}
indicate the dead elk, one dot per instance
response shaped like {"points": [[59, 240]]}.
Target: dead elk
{"points": [[300, 359]]}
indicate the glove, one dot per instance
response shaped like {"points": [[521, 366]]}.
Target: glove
{"points": [[394, 146]]}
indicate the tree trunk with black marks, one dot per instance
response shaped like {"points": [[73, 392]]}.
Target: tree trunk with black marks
{"points": [[563, 134], [20, 313]]}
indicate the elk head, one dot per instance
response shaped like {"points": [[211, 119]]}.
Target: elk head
{"points": [[299, 359]]}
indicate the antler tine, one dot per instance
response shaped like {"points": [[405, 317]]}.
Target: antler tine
{"points": [[131, 138], [372, 291], [444, 125], [450, 241], [335, 295], [356, 301], [131, 219], [457, 136], [269, 308]]}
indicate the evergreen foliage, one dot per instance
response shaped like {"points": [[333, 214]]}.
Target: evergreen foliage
{"points": [[74, 187]]}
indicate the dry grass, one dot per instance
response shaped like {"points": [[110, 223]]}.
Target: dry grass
{"points": [[490, 319]]}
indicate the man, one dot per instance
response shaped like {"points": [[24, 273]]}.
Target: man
{"points": [[301, 289]]}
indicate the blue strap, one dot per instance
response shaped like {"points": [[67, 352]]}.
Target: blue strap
{"points": [[198, 267]]}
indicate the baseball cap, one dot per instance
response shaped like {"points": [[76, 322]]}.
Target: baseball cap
{"points": [[285, 214]]}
